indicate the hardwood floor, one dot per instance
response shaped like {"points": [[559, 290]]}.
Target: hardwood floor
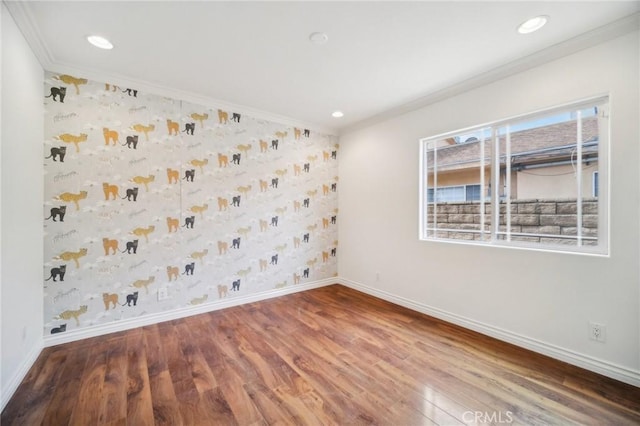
{"points": [[322, 357]]}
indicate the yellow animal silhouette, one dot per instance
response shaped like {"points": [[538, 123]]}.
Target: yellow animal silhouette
{"points": [[74, 139], [199, 255], [296, 278], [223, 117], [244, 231], [200, 117], [144, 232], [72, 255], [325, 223], [67, 315], [223, 160], [297, 170], [223, 246], [297, 133], [110, 191], [173, 176], [296, 206], [199, 300], [296, 242], [263, 185], [173, 272], [110, 245], [263, 265], [173, 224], [264, 146], [264, 225], [110, 136], [70, 197], [244, 148], [141, 128], [281, 135], [244, 190], [199, 209], [109, 299], [72, 80], [222, 291], [144, 283], [223, 204], [325, 256], [173, 127], [200, 163], [144, 180]]}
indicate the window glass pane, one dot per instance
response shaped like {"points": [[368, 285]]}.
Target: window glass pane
{"points": [[545, 185]]}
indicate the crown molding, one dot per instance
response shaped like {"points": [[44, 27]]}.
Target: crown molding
{"points": [[583, 41], [22, 15]]}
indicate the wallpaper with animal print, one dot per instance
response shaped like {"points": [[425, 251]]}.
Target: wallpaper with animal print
{"points": [[144, 192]]}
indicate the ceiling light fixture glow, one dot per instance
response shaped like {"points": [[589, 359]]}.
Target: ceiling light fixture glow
{"points": [[337, 114], [318, 38], [533, 24], [100, 42]]}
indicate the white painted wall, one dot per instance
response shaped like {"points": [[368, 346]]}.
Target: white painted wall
{"points": [[539, 299], [21, 254]]}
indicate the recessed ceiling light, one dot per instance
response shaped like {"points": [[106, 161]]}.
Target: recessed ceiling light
{"points": [[532, 24], [337, 114], [100, 42], [318, 38]]}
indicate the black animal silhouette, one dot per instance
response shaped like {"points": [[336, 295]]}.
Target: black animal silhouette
{"points": [[305, 273], [274, 144], [334, 187], [305, 167], [305, 238], [131, 92], [235, 243], [333, 220], [131, 140], [307, 133], [57, 212], [189, 128], [235, 286], [274, 182], [305, 202], [274, 221], [235, 158], [131, 245], [133, 297], [235, 117], [57, 151], [235, 201], [188, 268], [57, 272], [189, 221], [334, 154], [189, 175], [61, 328], [274, 259], [131, 192], [58, 91], [333, 251]]}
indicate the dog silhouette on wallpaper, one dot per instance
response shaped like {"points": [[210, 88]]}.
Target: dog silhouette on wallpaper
{"points": [[57, 152], [235, 117], [57, 212], [57, 92], [75, 81]]}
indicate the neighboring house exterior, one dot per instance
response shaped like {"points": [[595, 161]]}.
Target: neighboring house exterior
{"points": [[543, 164]]}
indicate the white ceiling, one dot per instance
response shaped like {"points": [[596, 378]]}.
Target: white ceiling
{"points": [[380, 56]]}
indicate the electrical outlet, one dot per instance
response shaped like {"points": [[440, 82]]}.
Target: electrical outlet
{"points": [[597, 332], [163, 293]]}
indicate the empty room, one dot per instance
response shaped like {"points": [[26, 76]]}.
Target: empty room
{"points": [[320, 213]]}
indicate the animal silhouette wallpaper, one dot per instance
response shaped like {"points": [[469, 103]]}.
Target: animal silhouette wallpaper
{"points": [[146, 195]]}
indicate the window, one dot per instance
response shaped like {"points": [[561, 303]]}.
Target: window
{"points": [[539, 181]]}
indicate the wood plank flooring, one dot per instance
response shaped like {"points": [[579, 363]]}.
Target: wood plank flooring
{"points": [[329, 356]]}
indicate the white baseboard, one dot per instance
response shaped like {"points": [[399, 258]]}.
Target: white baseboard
{"points": [[128, 324], [605, 368], [18, 376]]}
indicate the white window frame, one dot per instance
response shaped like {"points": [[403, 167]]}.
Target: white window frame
{"points": [[601, 249]]}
